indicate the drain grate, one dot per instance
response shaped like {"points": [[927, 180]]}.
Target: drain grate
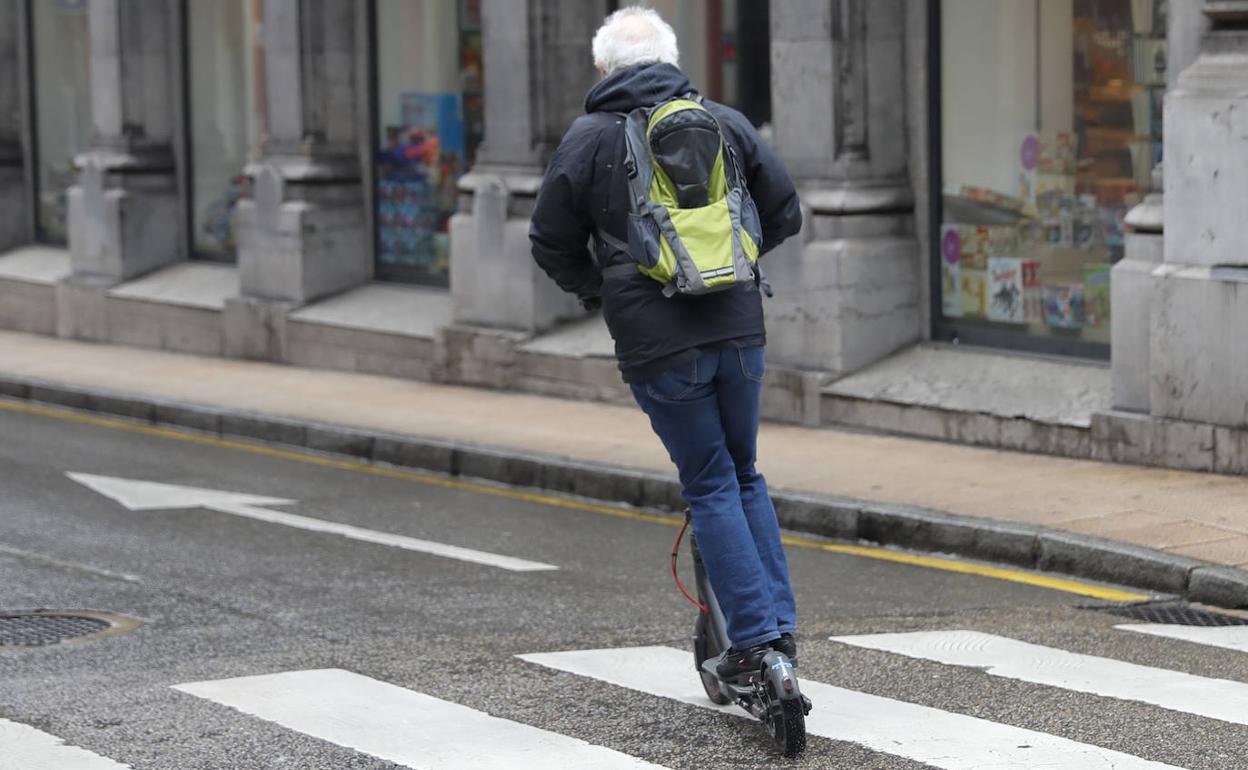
{"points": [[1174, 614], [43, 627]]}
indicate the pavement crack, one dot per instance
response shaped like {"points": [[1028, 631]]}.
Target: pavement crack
{"points": [[71, 565]]}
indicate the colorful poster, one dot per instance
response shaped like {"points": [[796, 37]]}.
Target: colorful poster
{"points": [[1005, 290], [973, 291], [1096, 279], [972, 245], [950, 289], [419, 165], [1033, 297]]}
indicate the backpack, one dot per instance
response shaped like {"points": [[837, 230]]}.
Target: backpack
{"points": [[692, 225]]}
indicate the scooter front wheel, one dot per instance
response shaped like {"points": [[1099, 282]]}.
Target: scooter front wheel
{"points": [[704, 648], [788, 727]]}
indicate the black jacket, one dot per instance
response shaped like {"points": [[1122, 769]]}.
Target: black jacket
{"points": [[585, 189]]}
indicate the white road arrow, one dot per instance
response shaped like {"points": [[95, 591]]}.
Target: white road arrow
{"points": [[150, 495]]}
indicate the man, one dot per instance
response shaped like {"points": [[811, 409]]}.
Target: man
{"points": [[694, 363]]}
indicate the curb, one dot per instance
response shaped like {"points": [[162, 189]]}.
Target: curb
{"points": [[842, 518]]}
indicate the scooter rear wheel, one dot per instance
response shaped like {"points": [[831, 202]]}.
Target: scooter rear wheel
{"points": [[788, 728], [704, 648]]}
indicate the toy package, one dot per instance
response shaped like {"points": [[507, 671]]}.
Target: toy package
{"points": [[973, 288], [1033, 298], [1063, 306], [1005, 290], [950, 289]]}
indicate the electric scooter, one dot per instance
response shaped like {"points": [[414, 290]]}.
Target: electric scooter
{"points": [[771, 694]]}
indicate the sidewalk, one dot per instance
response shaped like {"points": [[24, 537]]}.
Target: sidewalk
{"points": [[1201, 516]]}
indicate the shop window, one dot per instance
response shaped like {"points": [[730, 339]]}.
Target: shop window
{"points": [[1051, 126], [724, 49], [62, 106], [226, 114], [430, 122]]}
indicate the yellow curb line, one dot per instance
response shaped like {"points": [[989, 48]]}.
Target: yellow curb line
{"points": [[359, 466]]}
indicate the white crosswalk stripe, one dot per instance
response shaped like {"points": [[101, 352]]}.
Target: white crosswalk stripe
{"points": [[1226, 637], [403, 726], [938, 738], [22, 747], [1009, 658]]}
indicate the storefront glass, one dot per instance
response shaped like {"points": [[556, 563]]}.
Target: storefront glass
{"points": [[227, 109], [731, 65], [1051, 126], [62, 106], [430, 122]]}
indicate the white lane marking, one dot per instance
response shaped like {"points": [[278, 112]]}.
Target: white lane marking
{"points": [[402, 726], [1009, 658], [22, 747], [923, 734], [151, 495], [1226, 637]]}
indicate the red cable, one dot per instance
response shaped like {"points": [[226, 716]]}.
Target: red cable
{"points": [[676, 550]]}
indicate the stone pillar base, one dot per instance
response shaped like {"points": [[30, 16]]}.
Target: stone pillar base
{"points": [[471, 355], [82, 307], [297, 243], [494, 280], [255, 328], [1131, 291], [1197, 358], [841, 304], [122, 224]]}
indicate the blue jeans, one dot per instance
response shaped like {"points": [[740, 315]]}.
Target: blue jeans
{"points": [[706, 414]]}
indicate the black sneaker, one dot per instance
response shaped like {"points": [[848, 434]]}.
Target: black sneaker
{"points": [[787, 646], [733, 664]]}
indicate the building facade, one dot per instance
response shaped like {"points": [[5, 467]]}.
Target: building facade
{"points": [[343, 184]]}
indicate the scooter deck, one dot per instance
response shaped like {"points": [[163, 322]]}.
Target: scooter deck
{"points": [[740, 688]]}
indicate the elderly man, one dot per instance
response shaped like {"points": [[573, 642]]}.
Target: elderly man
{"points": [[694, 362]]}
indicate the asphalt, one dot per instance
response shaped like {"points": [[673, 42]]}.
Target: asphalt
{"points": [[1022, 544], [1177, 532], [222, 596]]}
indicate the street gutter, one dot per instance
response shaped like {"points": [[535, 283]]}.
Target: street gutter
{"points": [[843, 518]]}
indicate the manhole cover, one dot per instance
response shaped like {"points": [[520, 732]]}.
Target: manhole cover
{"points": [[38, 628], [1174, 614]]}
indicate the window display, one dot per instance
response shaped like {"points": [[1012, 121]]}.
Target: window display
{"points": [[1051, 118], [431, 121], [732, 66], [62, 106], [226, 115]]}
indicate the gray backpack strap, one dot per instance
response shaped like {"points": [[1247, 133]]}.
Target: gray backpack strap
{"points": [[637, 161], [604, 237]]}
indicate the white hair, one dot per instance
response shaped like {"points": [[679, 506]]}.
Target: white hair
{"points": [[634, 35]]}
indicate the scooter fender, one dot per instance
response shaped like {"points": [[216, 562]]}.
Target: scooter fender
{"points": [[778, 672]]}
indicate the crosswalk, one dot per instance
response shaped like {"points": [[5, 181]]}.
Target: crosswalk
{"points": [[22, 747], [1227, 637], [405, 727], [1011, 659], [938, 738], [417, 730]]}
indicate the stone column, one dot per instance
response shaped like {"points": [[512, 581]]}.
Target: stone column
{"points": [[1198, 358], [847, 289], [1131, 288], [303, 231], [14, 194], [537, 69], [123, 213]]}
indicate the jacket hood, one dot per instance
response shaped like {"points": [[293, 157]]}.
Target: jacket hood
{"points": [[640, 86]]}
